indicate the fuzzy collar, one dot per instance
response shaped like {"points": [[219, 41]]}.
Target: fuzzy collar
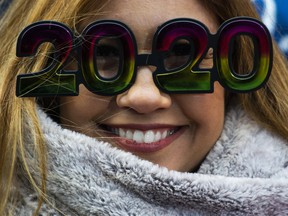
{"points": [[244, 174]]}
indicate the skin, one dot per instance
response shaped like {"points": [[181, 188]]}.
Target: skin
{"points": [[143, 103]]}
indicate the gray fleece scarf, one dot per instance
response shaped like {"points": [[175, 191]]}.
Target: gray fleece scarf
{"points": [[246, 173]]}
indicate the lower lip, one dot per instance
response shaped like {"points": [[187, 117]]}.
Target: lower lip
{"points": [[133, 146]]}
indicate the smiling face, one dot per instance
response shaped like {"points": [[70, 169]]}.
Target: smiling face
{"points": [[174, 131]]}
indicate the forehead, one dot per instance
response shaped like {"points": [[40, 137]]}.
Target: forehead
{"points": [[149, 14]]}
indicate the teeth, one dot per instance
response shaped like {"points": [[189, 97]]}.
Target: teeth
{"points": [[138, 136], [157, 136], [164, 134], [149, 137], [129, 134], [121, 132]]}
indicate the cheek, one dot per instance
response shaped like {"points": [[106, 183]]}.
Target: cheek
{"points": [[83, 108], [206, 111]]}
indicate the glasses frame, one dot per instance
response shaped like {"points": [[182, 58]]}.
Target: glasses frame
{"points": [[186, 79]]}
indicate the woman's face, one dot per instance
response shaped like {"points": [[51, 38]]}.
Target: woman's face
{"points": [[174, 131]]}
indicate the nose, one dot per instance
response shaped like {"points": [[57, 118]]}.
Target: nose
{"points": [[144, 96]]}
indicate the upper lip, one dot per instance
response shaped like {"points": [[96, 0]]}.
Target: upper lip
{"points": [[142, 127]]}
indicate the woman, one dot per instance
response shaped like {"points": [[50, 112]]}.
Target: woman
{"points": [[208, 155]]}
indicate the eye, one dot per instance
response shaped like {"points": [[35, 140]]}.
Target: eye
{"points": [[108, 56], [181, 49], [107, 51], [179, 54]]}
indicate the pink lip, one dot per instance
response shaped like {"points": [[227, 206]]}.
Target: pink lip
{"points": [[132, 146], [144, 127]]}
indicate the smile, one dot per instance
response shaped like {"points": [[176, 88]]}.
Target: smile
{"points": [[143, 140]]}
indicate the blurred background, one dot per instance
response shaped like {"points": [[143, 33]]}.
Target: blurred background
{"points": [[274, 14]]}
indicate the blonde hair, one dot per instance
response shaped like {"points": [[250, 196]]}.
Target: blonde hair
{"points": [[272, 98]]}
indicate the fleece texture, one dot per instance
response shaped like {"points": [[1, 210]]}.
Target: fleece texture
{"points": [[246, 173]]}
